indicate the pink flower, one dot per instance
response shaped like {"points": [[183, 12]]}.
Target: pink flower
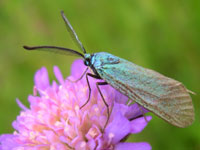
{"points": [[55, 121]]}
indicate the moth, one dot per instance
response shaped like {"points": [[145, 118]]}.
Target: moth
{"points": [[165, 97]]}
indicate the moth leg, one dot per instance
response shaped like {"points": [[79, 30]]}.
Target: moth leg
{"points": [[88, 83], [79, 77], [107, 106], [130, 102], [142, 111], [143, 114]]}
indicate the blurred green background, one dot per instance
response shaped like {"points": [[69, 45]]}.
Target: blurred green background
{"points": [[157, 34]]}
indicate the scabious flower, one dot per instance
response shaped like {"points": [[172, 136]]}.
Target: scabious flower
{"points": [[55, 121]]}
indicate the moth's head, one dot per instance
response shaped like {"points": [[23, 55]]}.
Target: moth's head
{"points": [[87, 60]]}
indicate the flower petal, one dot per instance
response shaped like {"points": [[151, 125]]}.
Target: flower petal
{"points": [[119, 107], [8, 142], [137, 125], [133, 146], [120, 98], [41, 79], [118, 128], [135, 111], [22, 106], [77, 68], [58, 74]]}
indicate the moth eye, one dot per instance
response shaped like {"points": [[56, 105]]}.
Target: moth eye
{"points": [[87, 62]]}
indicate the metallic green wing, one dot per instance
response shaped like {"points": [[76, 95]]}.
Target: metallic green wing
{"points": [[165, 97]]}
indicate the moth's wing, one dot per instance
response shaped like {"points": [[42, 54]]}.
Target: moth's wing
{"points": [[165, 97]]}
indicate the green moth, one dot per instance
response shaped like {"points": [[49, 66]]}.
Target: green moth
{"points": [[167, 98]]}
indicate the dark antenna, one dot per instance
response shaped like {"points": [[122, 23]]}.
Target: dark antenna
{"points": [[55, 49], [72, 33]]}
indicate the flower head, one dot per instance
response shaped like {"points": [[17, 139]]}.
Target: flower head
{"points": [[55, 120]]}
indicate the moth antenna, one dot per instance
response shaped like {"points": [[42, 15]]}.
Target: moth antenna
{"points": [[72, 33], [55, 49]]}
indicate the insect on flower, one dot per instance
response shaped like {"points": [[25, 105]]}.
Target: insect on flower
{"points": [[165, 97]]}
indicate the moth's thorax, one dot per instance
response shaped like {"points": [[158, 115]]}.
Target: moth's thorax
{"points": [[102, 58]]}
